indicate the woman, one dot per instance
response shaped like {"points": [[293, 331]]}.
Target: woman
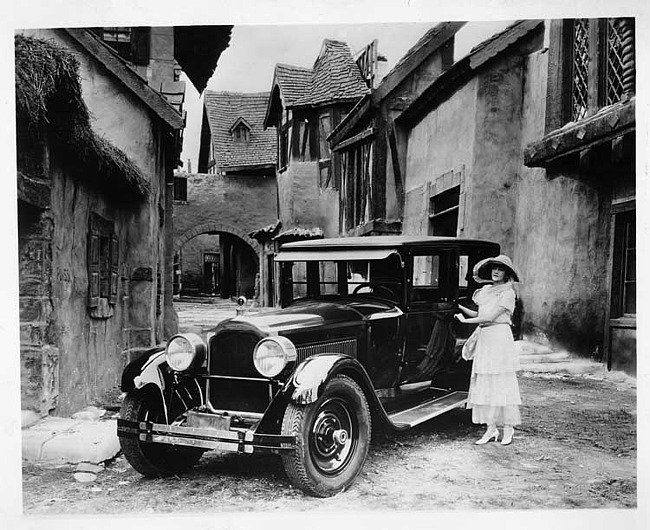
{"points": [[494, 392]]}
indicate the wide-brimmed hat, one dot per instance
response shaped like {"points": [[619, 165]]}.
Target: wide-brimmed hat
{"points": [[483, 269]]}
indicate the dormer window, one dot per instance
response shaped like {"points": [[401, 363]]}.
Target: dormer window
{"points": [[240, 130]]}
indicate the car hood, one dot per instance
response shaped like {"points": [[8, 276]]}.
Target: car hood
{"points": [[313, 313]]}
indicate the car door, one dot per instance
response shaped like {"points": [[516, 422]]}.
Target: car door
{"points": [[429, 339]]}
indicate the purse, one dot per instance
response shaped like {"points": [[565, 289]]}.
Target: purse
{"points": [[469, 348]]}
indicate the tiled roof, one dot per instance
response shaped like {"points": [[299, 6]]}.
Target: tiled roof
{"points": [[293, 81], [223, 109], [336, 76], [300, 233]]}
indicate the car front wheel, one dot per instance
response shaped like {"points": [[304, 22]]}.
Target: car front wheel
{"points": [[332, 439], [153, 459]]}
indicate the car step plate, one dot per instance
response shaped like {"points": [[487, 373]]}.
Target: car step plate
{"points": [[430, 409]]}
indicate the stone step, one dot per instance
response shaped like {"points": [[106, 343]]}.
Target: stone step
{"points": [[551, 357]]}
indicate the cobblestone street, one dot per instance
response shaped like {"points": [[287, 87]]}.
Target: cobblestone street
{"points": [[201, 314]]}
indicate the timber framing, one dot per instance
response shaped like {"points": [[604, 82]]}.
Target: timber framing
{"points": [[425, 47], [428, 44], [355, 139], [607, 125]]}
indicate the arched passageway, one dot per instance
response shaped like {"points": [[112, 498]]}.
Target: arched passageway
{"points": [[215, 259]]}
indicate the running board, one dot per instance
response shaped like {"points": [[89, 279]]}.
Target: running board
{"points": [[430, 409]]}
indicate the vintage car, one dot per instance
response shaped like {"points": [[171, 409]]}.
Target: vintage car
{"points": [[365, 339]]}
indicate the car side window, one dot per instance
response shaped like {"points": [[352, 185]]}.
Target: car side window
{"points": [[299, 277], [428, 278], [426, 271]]}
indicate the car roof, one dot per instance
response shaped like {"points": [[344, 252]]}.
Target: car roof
{"points": [[383, 242]]}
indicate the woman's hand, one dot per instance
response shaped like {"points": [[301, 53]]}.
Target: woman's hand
{"points": [[468, 312], [460, 317]]}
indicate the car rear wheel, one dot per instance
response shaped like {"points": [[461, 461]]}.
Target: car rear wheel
{"points": [[153, 459], [332, 439]]}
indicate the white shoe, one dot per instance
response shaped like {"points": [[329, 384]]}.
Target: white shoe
{"points": [[491, 433], [508, 433]]}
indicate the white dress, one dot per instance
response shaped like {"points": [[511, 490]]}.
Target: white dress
{"points": [[494, 392]]}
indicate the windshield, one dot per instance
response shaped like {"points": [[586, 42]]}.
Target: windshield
{"points": [[354, 278]]}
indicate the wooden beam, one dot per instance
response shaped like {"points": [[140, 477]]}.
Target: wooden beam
{"points": [[397, 170], [355, 139], [446, 30], [605, 126], [350, 122]]}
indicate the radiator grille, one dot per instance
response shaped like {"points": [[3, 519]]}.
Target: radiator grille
{"points": [[347, 347]]}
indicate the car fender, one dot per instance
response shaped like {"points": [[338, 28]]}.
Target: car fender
{"points": [[143, 371], [308, 381], [310, 377]]}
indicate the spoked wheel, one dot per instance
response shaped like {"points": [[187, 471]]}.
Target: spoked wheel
{"points": [[332, 439], [153, 459]]}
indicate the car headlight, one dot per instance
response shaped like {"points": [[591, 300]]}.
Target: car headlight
{"points": [[185, 351], [272, 354]]}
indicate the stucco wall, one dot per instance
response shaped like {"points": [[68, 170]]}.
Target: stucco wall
{"points": [[562, 240], [303, 204], [443, 141], [238, 204], [491, 183], [192, 259], [90, 360]]}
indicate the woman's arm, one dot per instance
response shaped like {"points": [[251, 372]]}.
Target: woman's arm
{"points": [[484, 318], [468, 312]]}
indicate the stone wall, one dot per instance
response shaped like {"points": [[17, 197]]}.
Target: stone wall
{"points": [[192, 261], [232, 206]]}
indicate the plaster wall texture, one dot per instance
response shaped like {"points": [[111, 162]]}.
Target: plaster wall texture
{"points": [[90, 360], [192, 258], [562, 240], [303, 204], [161, 62], [491, 183], [235, 204], [443, 141]]}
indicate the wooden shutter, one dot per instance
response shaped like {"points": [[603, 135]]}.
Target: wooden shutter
{"points": [[93, 269], [140, 38], [114, 260]]}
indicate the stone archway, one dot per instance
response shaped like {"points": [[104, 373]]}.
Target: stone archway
{"points": [[229, 268], [214, 227]]}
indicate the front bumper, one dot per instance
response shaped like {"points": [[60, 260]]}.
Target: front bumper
{"points": [[234, 441]]}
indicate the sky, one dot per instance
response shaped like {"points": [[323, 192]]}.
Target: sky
{"points": [[248, 63]]}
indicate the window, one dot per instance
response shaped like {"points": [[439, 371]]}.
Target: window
{"points": [[119, 38], [624, 265], [598, 66], [180, 189], [103, 259], [443, 213], [325, 172], [131, 43], [303, 147], [283, 147], [324, 130], [241, 133], [430, 278], [356, 196]]}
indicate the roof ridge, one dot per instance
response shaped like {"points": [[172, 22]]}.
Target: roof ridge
{"points": [[229, 92]]}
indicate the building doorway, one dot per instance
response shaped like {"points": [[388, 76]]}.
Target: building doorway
{"points": [[211, 273]]}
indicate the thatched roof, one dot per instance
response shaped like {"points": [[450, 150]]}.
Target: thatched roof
{"points": [[48, 95]]}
